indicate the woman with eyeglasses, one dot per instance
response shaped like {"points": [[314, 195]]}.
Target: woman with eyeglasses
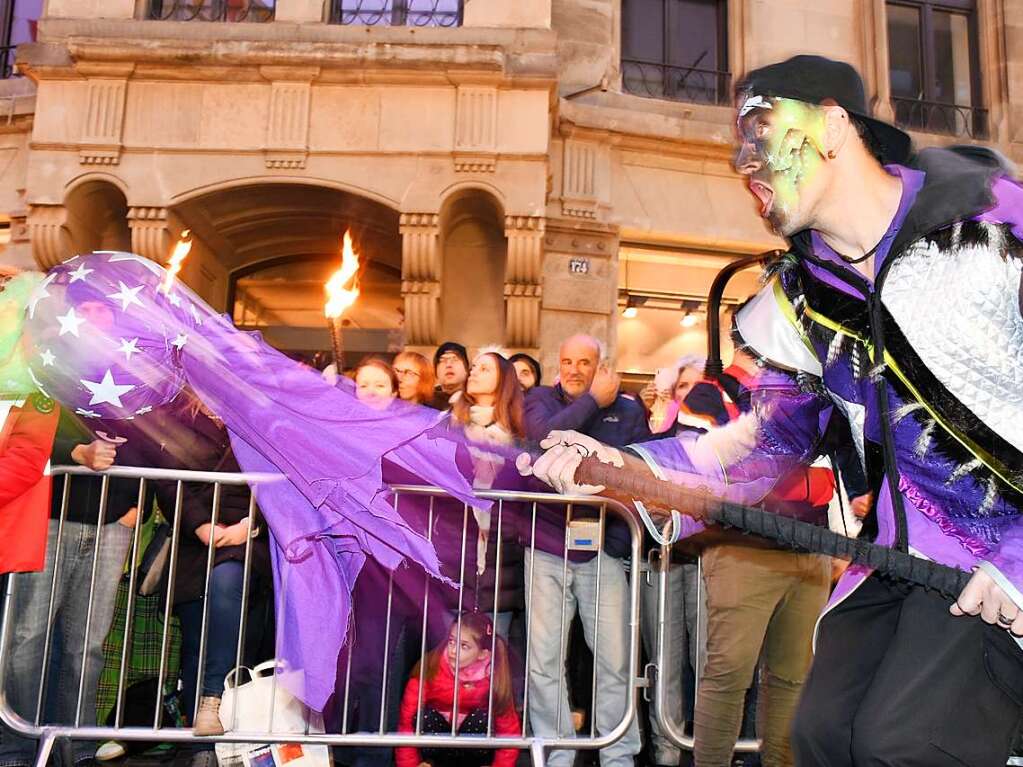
{"points": [[415, 378]]}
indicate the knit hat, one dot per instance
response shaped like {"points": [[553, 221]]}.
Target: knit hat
{"points": [[455, 348]]}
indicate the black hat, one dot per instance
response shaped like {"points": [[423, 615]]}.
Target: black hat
{"points": [[814, 79], [454, 347], [532, 362]]}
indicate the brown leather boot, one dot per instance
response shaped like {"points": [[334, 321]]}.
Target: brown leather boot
{"points": [[207, 718]]}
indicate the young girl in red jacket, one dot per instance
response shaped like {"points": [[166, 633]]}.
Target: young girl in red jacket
{"points": [[478, 670]]}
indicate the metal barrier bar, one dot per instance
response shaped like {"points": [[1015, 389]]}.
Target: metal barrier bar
{"points": [[525, 505], [675, 731]]}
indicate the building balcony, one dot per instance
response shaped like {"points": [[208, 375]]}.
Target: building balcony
{"points": [[211, 10], [398, 13], [655, 79], [945, 119]]}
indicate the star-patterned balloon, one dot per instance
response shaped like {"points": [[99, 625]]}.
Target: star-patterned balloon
{"points": [[105, 335]]}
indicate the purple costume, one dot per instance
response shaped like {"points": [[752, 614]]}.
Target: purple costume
{"points": [[946, 293], [105, 338]]}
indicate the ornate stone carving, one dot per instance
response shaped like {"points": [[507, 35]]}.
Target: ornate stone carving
{"points": [[420, 272], [150, 234], [104, 118], [522, 282], [579, 181], [51, 240], [287, 130], [476, 130]]}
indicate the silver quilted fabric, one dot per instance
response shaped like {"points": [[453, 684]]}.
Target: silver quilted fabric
{"points": [[960, 311]]}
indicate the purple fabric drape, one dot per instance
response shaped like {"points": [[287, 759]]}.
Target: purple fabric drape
{"points": [[108, 342]]}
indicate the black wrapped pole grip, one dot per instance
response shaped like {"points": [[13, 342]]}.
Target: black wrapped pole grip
{"points": [[788, 532]]}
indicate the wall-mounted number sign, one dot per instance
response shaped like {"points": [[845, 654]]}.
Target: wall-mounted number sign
{"points": [[578, 266]]}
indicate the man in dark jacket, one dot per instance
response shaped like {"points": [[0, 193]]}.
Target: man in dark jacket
{"points": [[587, 400]]}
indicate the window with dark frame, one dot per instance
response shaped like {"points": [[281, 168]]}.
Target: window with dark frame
{"points": [[676, 49], [18, 19], [397, 13], [934, 67], [212, 10]]}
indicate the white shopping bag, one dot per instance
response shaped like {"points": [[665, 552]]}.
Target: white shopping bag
{"points": [[264, 705]]}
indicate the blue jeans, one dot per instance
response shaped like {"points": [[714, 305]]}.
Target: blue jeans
{"points": [[548, 612], [71, 604], [223, 624]]}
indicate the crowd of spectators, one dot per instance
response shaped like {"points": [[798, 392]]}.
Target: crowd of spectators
{"points": [[565, 585]]}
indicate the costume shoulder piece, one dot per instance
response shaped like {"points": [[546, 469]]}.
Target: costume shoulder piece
{"points": [[769, 324], [954, 334]]}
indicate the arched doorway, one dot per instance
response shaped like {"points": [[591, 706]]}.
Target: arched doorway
{"points": [[265, 250], [97, 217]]}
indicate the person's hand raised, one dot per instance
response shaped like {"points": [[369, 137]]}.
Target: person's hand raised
{"points": [[604, 388]]}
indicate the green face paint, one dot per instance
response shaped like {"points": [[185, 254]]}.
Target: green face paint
{"points": [[14, 297], [787, 137]]}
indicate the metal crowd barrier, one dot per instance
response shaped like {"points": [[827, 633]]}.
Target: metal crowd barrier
{"points": [[673, 729], [526, 507]]}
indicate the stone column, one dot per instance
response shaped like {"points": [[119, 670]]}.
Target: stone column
{"points": [[150, 232], [420, 276], [522, 281], [51, 239]]}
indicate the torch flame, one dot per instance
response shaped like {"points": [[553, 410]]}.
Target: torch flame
{"points": [[339, 297], [181, 250]]}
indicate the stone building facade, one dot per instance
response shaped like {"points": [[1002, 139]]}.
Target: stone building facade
{"points": [[511, 172]]}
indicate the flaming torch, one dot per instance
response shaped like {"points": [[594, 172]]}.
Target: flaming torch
{"points": [[342, 289], [181, 250]]}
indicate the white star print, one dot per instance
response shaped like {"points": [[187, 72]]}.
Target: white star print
{"points": [[174, 299], [80, 273], [106, 390], [87, 413], [180, 341], [39, 294], [129, 348], [143, 410], [127, 296], [195, 314], [47, 357], [69, 323]]}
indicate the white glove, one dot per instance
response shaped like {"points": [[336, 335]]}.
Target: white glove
{"points": [[564, 451]]}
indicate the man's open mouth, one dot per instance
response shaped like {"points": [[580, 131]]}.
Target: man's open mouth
{"points": [[764, 194]]}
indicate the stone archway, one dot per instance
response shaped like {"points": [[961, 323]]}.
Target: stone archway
{"points": [[262, 252]]}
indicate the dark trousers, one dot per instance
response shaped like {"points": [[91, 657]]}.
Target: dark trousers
{"points": [[475, 723], [222, 626], [898, 681]]}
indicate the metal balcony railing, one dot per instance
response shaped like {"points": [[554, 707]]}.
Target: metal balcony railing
{"points": [[212, 10], [7, 61], [397, 13], [936, 117], [665, 81]]}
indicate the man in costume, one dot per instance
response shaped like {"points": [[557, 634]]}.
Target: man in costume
{"points": [[28, 422], [898, 305]]}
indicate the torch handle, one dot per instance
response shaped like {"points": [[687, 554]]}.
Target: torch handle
{"points": [[335, 341], [633, 483]]}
